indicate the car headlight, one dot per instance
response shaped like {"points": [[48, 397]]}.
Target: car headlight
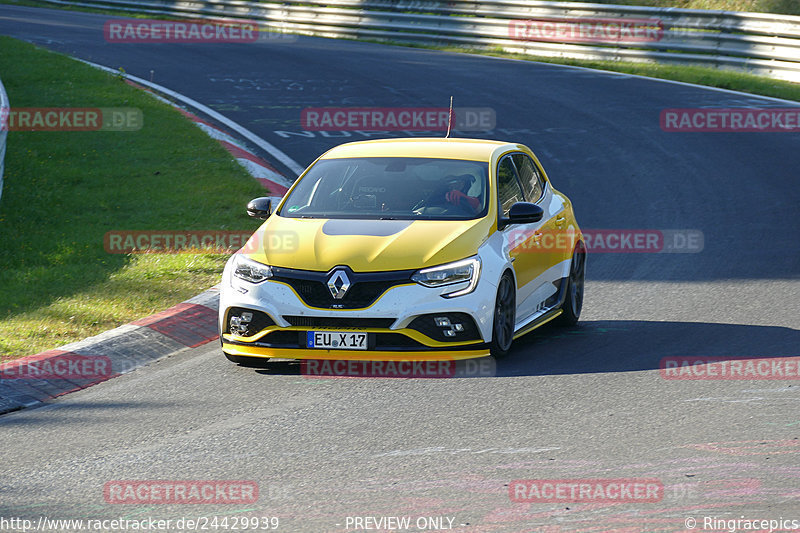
{"points": [[249, 270], [465, 270]]}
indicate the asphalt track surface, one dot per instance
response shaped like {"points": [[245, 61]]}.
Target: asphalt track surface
{"points": [[588, 403]]}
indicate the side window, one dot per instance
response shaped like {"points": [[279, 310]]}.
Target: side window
{"points": [[508, 189], [532, 181]]}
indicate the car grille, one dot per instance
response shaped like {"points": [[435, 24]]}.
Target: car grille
{"points": [[389, 341], [365, 287], [338, 322], [283, 339]]}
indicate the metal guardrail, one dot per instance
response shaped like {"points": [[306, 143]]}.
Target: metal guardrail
{"points": [[5, 108], [759, 43]]}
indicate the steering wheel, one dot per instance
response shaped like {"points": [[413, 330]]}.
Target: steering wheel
{"points": [[461, 207], [444, 205]]}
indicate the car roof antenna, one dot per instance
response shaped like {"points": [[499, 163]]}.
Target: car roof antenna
{"points": [[449, 117]]}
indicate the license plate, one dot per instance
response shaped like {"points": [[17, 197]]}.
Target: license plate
{"points": [[336, 340]]}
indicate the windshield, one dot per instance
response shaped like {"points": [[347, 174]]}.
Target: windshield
{"points": [[402, 188]]}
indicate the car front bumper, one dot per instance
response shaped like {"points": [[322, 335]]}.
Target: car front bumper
{"points": [[400, 324]]}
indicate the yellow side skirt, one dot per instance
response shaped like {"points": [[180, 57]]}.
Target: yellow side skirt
{"points": [[541, 321]]}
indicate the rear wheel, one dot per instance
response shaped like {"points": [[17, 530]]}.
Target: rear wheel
{"points": [[249, 362], [573, 302], [505, 308]]}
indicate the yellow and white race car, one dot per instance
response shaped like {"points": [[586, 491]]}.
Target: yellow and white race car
{"points": [[404, 249]]}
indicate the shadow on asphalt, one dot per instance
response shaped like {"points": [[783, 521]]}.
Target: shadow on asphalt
{"points": [[625, 346], [607, 346], [108, 411]]}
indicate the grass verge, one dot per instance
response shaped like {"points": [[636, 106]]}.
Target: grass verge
{"points": [[64, 190]]}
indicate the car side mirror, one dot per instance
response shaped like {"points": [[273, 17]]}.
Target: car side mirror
{"points": [[522, 213], [260, 207]]}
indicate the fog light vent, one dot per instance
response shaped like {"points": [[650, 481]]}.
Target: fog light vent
{"points": [[247, 322], [448, 327]]}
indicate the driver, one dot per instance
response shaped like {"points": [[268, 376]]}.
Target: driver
{"points": [[457, 192]]}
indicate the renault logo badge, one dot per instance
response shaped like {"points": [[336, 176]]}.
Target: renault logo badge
{"points": [[338, 284]]}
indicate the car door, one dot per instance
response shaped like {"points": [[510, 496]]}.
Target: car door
{"points": [[522, 241], [555, 243]]}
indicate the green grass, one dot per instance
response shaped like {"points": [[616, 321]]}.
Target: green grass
{"points": [[64, 190]]}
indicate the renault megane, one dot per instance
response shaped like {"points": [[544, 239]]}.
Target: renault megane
{"points": [[405, 249]]}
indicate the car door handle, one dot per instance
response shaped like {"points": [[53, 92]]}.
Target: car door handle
{"points": [[560, 221]]}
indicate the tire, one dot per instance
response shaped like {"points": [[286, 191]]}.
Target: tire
{"points": [[573, 300], [248, 362], [505, 310]]}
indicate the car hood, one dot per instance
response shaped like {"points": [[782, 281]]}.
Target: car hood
{"points": [[364, 245]]}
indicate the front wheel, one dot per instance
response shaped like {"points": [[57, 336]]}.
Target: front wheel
{"points": [[505, 308], [573, 302]]}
